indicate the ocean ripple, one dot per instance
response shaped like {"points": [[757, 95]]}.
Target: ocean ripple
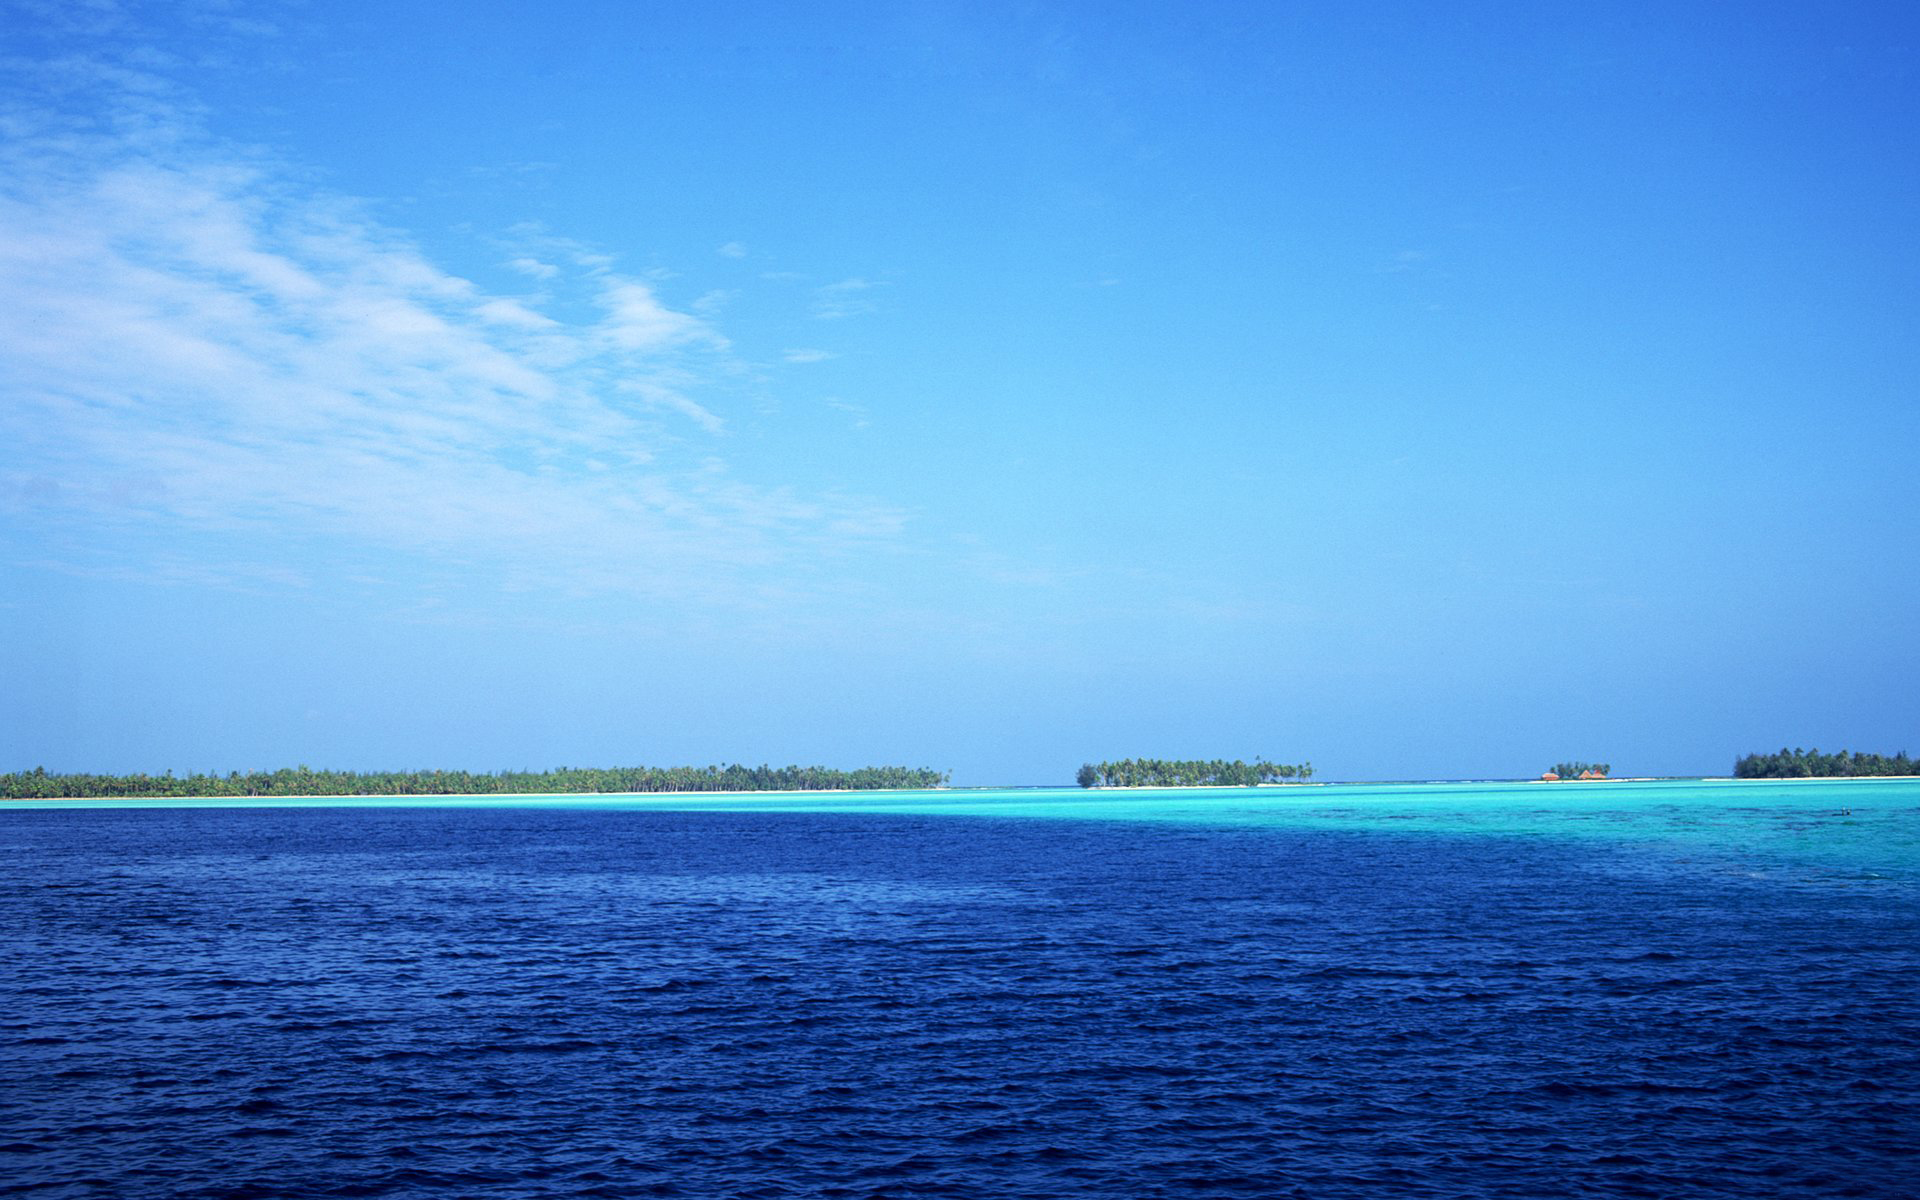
{"points": [[544, 1003]]}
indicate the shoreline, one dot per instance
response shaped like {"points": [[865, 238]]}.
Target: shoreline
{"points": [[1071, 789], [507, 795]]}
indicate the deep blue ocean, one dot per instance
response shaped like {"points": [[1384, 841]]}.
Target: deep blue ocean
{"points": [[606, 1000]]}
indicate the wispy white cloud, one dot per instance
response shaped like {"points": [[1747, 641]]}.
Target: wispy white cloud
{"points": [[732, 250], [847, 298], [638, 321], [857, 411], [667, 399], [803, 355], [198, 343], [534, 267], [505, 311], [72, 17]]}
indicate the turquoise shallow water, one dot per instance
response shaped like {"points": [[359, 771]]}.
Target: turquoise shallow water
{"points": [[1865, 829]]}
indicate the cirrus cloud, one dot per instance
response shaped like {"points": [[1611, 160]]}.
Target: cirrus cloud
{"points": [[201, 342]]}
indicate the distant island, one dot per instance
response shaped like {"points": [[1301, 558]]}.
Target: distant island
{"points": [[1576, 770], [1160, 772], [38, 784], [1810, 764]]}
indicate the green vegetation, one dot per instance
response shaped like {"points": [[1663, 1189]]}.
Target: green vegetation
{"points": [[1807, 764], [1159, 772], [304, 781], [1573, 770]]}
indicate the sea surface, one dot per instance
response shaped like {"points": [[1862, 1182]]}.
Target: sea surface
{"points": [[1671, 990]]}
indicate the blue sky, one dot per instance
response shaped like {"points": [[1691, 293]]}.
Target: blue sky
{"points": [[1422, 390]]}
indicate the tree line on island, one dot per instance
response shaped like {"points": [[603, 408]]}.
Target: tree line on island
{"points": [[1808, 764], [38, 784], [1160, 772]]}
